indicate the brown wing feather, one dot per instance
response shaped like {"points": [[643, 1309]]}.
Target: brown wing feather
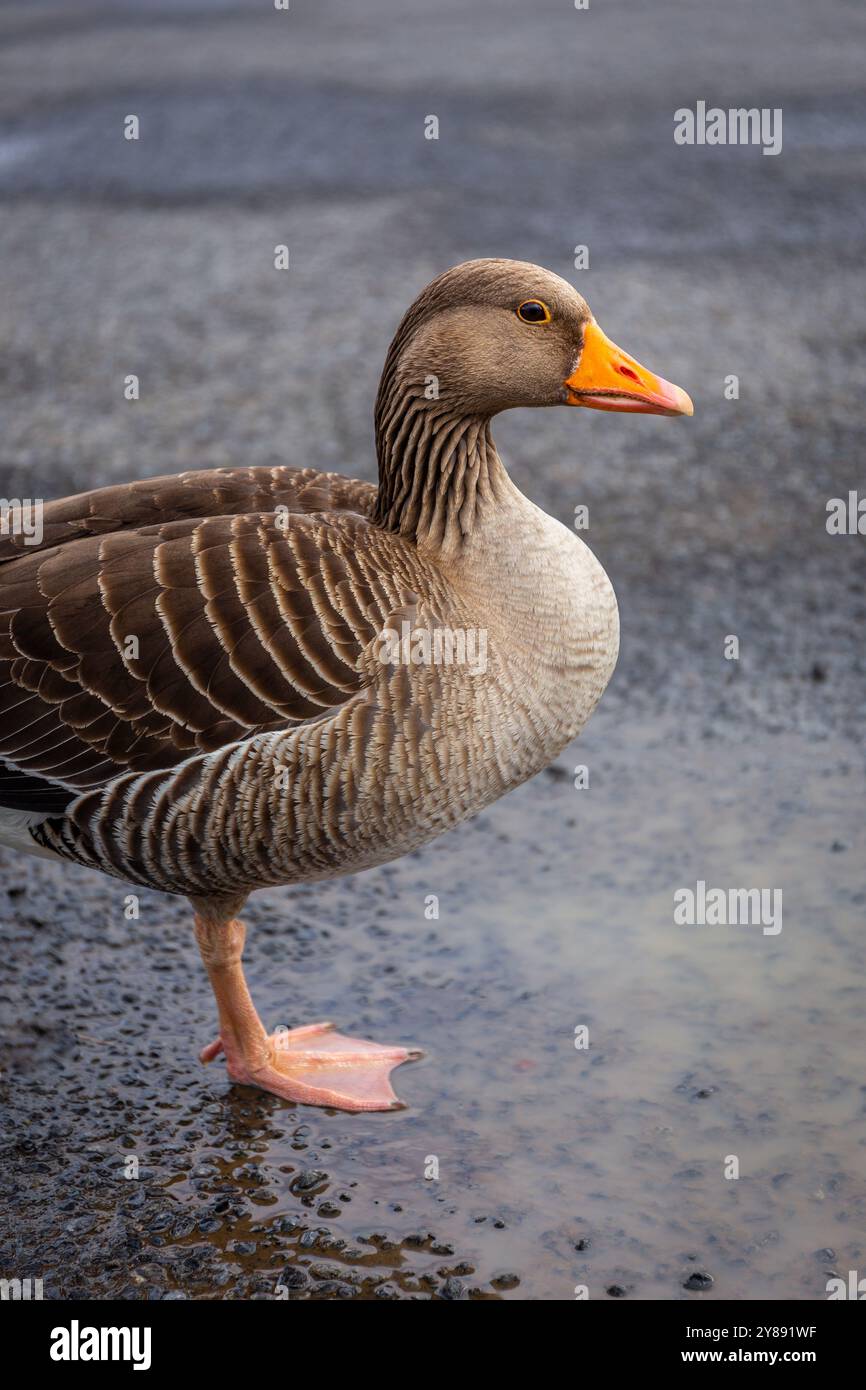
{"points": [[130, 650], [193, 495]]}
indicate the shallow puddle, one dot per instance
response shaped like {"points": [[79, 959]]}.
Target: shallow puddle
{"points": [[524, 1165]]}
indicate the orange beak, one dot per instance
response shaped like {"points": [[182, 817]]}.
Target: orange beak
{"points": [[606, 378]]}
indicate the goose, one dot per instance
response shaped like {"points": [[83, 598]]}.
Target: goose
{"points": [[219, 680]]}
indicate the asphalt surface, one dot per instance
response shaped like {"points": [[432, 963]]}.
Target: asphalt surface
{"points": [[155, 257]]}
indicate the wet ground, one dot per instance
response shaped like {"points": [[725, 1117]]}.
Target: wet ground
{"points": [[523, 1166]]}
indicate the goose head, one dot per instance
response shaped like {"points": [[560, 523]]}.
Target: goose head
{"points": [[491, 335], [488, 336]]}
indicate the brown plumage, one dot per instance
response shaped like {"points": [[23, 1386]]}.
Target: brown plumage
{"points": [[201, 687]]}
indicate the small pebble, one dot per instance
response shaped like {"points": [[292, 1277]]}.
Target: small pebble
{"points": [[452, 1289], [698, 1281]]}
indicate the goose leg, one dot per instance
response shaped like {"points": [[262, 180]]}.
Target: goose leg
{"points": [[313, 1065]]}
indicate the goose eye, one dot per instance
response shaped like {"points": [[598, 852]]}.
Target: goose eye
{"points": [[533, 311]]}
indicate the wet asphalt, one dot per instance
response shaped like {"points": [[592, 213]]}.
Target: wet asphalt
{"points": [[521, 1167]]}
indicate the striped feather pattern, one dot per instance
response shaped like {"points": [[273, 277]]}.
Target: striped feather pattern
{"points": [[133, 649], [191, 684]]}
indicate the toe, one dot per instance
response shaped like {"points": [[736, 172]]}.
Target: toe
{"points": [[212, 1050]]}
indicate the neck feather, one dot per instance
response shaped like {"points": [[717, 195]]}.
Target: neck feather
{"points": [[438, 465]]}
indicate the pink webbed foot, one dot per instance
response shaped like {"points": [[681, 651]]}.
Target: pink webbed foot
{"points": [[316, 1065]]}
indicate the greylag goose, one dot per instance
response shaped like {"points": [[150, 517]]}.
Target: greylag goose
{"points": [[238, 677]]}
